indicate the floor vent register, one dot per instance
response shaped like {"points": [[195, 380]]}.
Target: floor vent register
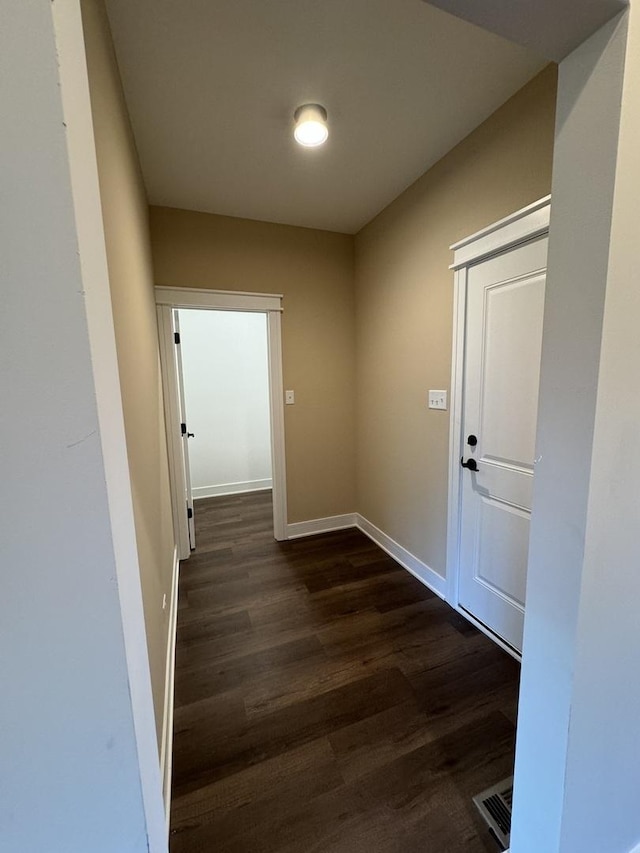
{"points": [[494, 805]]}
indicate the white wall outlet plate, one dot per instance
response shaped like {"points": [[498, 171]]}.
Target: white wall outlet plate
{"points": [[438, 400], [289, 398]]}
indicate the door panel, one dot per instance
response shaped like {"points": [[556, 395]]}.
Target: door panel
{"points": [[505, 304], [511, 368], [503, 536]]}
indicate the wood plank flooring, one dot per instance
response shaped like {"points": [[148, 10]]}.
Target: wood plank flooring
{"points": [[327, 701]]}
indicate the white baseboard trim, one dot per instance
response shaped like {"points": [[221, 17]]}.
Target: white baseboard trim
{"points": [[231, 488], [166, 748], [426, 575], [321, 525]]}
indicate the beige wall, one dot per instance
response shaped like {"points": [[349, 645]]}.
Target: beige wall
{"points": [[404, 312], [314, 272], [125, 212]]}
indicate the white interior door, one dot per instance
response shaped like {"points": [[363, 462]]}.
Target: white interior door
{"points": [[503, 338], [185, 435]]}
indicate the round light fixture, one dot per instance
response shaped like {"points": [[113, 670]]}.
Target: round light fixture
{"points": [[311, 125]]}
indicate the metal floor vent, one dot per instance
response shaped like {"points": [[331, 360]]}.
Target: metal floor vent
{"points": [[494, 805]]}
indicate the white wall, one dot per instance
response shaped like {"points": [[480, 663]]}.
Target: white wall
{"points": [[578, 751], [78, 757], [603, 764], [226, 380]]}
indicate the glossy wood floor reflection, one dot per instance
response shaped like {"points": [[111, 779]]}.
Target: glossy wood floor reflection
{"points": [[325, 700]]}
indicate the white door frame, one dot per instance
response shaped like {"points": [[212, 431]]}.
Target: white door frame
{"points": [[168, 298], [526, 224]]}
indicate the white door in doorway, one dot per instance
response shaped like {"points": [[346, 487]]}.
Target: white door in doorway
{"points": [[185, 435], [503, 338], [168, 300]]}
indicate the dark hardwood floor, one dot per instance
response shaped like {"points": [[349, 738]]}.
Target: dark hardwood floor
{"points": [[327, 701]]}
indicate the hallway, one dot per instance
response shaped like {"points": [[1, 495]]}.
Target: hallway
{"points": [[326, 700]]}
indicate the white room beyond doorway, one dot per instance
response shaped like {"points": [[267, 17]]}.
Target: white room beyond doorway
{"points": [[226, 389]]}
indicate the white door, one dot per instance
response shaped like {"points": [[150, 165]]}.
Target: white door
{"points": [[503, 338], [184, 432]]}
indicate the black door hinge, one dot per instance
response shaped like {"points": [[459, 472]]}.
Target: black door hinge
{"points": [[183, 429], [189, 512], [176, 337]]}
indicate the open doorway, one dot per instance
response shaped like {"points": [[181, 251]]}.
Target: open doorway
{"points": [[225, 380], [221, 359]]}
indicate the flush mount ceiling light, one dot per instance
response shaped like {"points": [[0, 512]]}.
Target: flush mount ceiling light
{"points": [[311, 125]]}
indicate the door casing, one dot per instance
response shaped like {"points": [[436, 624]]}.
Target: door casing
{"points": [[529, 222], [169, 298]]}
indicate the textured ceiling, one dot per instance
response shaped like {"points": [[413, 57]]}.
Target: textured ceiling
{"points": [[211, 87]]}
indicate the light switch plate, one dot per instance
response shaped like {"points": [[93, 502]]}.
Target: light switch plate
{"points": [[438, 400], [289, 398]]}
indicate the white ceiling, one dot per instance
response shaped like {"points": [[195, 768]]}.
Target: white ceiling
{"points": [[211, 87]]}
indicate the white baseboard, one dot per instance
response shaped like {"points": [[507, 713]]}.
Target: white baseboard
{"points": [[230, 488], [166, 748], [320, 525], [407, 560]]}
